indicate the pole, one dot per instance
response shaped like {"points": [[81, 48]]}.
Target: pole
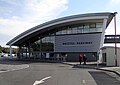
{"points": [[98, 59], [40, 47], [10, 51], [115, 39]]}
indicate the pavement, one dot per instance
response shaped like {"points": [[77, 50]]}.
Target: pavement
{"points": [[94, 65], [6, 68], [7, 64]]}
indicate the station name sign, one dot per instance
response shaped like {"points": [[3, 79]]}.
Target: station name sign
{"points": [[76, 43]]}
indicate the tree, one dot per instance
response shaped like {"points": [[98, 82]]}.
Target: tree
{"points": [[7, 50], [0, 49]]}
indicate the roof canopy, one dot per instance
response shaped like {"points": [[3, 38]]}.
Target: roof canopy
{"points": [[34, 33]]}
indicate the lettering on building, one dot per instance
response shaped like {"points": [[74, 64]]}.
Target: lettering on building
{"points": [[76, 43]]}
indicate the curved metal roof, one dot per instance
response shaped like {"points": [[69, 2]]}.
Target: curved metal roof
{"points": [[33, 33]]}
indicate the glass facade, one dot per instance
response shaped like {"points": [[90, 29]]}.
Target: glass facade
{"points": [[44, 44], [80, 28], [47, 43]]}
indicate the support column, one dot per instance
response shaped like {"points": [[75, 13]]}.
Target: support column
{"points": [[103, 32], [26, 52], [102, 40], [20, 52], [10, 51], [40, 39], [29, 51]]}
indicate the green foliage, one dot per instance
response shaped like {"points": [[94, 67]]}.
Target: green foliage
{"points": [[7, 50], [0, 49]]}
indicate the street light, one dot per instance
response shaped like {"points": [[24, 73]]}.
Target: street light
{"points": [[115, 38]]}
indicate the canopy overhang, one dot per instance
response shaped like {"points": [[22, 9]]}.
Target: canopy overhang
{"points": [[44, 29]]}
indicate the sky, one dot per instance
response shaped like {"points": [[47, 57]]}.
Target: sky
{"points": [[17, 16]]}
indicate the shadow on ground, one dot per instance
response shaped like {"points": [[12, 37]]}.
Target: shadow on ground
{"points": [[103, 78], [89, 66]]}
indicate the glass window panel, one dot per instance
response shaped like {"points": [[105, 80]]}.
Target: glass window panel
{"points": [[58, 33], [99, 25], [86, 30], [80, 26], [80, 30], [74, 30], [69, 31], [93, 30], [92, 25], [86, 25], [63, 32], [99, 30], [43, 40]]}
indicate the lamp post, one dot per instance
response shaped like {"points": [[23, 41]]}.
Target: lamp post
{"points": [[115, 38]]}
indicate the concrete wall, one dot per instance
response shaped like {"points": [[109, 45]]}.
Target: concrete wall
{"points": [[118, 52], [110, 56]]}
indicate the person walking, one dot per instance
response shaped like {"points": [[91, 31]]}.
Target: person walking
{"points": [[84, 59], [80, 58]]}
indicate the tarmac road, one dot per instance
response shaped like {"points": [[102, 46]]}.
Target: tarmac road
{"points": [[56, 74]]}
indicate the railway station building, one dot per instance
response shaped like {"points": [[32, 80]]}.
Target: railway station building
{"points": [[64, 38]]}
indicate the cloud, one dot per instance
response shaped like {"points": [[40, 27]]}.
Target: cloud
{"points": [[32, 13], [114, 2], [4, 38], [113, 6], [13, 26], [45, 9]]}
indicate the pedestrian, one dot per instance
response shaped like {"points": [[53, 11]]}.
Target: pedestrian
{"points": [[80, 58], [84, 59]]}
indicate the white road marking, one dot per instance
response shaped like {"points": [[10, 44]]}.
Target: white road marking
{"points": [[13, 67], [41, 81], [83, 81]]}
